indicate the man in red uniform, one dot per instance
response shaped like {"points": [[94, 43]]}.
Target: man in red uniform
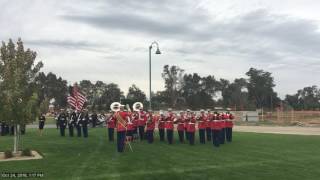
{"points": [[135, 119], [151, 124], [142, 119], [161, 126], [222, 118], [202, 119], [208, 125], [121, 122], [130, 129], [180, 127], [229, 126], [111, 125], [191, 128], [216, 130], [169, 126], [187, 119]]}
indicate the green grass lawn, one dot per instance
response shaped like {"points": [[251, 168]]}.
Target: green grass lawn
{"points": [[250, 156]]}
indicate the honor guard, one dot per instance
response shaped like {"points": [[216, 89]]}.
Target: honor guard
{"points": [[84, 123], [121, 123], [94, 119], [216, 129], [169, 126], [202, 119], [62, 120], [72, 122], [42, 120], [208, 123], [111, 125], [151, 124], [229, 126], [161, 126], [191, 128], [180, 126], [79, 124]]}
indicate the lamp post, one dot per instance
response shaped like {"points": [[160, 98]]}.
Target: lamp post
{"points": [[157, 52]]}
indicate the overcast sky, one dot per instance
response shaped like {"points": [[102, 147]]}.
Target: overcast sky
{"points": [[108, 40]]}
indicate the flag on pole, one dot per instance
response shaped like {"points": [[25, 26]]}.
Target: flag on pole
{"points": [[76, 99]]}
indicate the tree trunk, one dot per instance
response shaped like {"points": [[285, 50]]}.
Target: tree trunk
{"points": [[16, 138]]}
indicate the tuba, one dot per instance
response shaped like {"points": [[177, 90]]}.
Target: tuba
{"points": [[137, 106], [115, 106]]}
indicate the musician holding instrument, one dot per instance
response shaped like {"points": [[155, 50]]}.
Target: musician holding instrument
{"points": [[111, 124], [180, 126], [208, 123], [151, 124], [122, 119], [216, 130], [186, 123], [169, 125], [161, 126], [229, 126], [202, 119], [142, 118], [191, 128]]}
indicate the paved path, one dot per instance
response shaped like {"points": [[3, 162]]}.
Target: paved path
{"points": [[279, 130], [257, 129]]}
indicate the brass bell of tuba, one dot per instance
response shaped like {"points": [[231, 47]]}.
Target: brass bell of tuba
{"points": [[115, 106], [137, 106]]}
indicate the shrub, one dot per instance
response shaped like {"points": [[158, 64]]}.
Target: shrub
{"points": [[26, 152], [8, 154]]}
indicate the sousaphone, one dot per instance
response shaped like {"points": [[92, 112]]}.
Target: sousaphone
{"points": [[115, 106], [137, 106]]}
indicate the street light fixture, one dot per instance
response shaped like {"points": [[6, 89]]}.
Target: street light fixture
{"points": [[157, 52]]}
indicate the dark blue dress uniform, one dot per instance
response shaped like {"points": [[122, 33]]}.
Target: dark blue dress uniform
{"points": [[78, 124], [85, 122], [72, 123], [94, 119], [62, 120]]}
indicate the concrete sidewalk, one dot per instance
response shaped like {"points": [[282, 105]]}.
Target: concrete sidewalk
{"points": [[279, 130]]}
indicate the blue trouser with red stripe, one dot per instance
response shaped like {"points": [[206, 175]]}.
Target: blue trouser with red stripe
{"points": [[216, 137], [170, 135], [202, 136], [121, 137]]}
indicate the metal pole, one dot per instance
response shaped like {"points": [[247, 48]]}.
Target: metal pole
{"points": [[150, 47]]}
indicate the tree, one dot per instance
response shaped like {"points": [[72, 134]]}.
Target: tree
{"points": [[173, 80], [112, 93], [51, 87], [260, 88], [18, 88], [135, 94], [307, 98]]}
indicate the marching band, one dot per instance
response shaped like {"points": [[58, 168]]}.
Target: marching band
{"points": [[216, 127], [139, 124]]}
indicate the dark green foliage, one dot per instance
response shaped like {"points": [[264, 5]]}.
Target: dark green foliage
{"points": [[26, 152], [8, 154]]}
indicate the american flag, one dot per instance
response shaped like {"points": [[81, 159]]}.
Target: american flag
{"points": [[76, 99]]}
